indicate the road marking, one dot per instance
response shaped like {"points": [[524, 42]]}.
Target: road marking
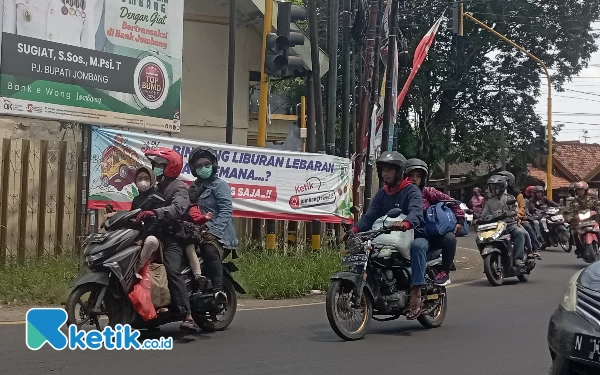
{"points": [[466, 248], [282, 307]]}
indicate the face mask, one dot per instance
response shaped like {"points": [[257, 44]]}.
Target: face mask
{"points": [[158, 171], [143, 186], [204, 172]]}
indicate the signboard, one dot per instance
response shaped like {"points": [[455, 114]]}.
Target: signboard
{"points": [[265, 183], [104, 62]]}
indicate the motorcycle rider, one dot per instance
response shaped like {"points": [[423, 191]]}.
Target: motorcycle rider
{"points": [[213, 195], [401, 193], [537, 203], [167, 165], [581, 202], [499, 203], [417, 171], [532, 245]]}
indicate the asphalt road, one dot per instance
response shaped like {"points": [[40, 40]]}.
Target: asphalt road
{"points": [[488, 330]]}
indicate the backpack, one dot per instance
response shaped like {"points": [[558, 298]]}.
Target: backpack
{"points": [[439, 220]]}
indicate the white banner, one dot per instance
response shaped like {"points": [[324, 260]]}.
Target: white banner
{"points": [[265, 183]]}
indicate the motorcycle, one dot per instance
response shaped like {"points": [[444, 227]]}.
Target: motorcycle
{"points": [[555, 230], [378, 283], [586, 240], [111, 258], [497, 251]]}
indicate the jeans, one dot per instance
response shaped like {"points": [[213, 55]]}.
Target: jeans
{"points": [[173, 256], [418, 260], [212, 259], [538, 229], [517, 235], [447, 243], [535, 244]]}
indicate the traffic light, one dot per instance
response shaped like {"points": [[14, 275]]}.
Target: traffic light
{"points": [[277, 60], [457, 18]]}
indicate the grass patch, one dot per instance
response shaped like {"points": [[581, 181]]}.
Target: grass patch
{"points": [[274, 274], [263, 273], [44, 281]]}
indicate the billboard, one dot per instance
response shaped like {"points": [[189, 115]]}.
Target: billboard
{"points": [[103, 62], [265, 183]]}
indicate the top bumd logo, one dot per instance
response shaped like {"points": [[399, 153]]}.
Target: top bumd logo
{"points": [[152, 82]]}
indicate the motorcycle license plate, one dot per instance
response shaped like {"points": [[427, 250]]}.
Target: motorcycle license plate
{"points": [[354, 260], [586, 347], [556, 217], [97, 237]]}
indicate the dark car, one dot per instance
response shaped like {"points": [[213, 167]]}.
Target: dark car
{"points": [[574, 329]]}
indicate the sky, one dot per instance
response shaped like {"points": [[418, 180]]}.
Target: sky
{"points": [[578, 107]]}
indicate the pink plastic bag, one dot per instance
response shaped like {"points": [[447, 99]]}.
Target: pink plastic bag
{"points": [[141, 296]]}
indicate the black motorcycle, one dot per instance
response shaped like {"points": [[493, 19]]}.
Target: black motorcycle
{"points": [[111, 258], [497, 250], [555, 231], [378, 283]]}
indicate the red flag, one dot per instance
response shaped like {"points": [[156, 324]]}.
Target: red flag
{"points": [[420, 55]]}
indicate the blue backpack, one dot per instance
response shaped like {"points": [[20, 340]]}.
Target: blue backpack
{"points": [[439, 220]]}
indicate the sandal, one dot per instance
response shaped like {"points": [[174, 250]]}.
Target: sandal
{"points": [[414, 309]]}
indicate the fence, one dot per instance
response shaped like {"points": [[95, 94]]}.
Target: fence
{"points": [[38, 200]]}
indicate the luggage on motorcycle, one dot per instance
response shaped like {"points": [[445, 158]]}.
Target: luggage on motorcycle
{"points": [[161, 296], [141, 296], [439, 220], [464, 231], [397, 239]]}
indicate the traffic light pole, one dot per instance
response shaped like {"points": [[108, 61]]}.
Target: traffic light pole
{"points": [[230, 74], [261, 139], [549, 115]]}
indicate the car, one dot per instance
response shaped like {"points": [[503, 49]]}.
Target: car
{"points": [[574, 328]]}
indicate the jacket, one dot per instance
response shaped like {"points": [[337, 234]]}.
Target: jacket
{"points": [[177, 199], [214, 195], [500, 205], [406, 196], [576, 205], [477, 202], [521, 207], [538, 204], [433, 196]]}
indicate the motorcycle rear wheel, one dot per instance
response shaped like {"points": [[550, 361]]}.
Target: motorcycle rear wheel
{"points": [[491, 267], [216, 323], [333, 307], [110, 307], [437, 316]]}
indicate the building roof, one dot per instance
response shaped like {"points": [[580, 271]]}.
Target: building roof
{"points": [[578, 161], [538, 174]]}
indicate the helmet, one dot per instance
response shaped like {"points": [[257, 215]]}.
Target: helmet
{"points": [[581, 185], [510, 178], [203, 151], [538, 188], [393, 159], [529, 190], [170, 157], [417, 164], [572, 189], [497, 184]]}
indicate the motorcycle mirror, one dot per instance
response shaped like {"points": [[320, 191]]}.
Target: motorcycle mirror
{"points": [[394, 213]]}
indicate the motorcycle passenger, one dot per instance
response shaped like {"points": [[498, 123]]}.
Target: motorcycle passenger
{"points": [[581, 202], [144, 182], [536, 205], [213, 195], [417, 171], [401, 193], [532, 245], [499, 204], [167, 165]]}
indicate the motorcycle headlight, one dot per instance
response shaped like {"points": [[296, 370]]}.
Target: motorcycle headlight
{"points": [[569, 299], [585, 215]]}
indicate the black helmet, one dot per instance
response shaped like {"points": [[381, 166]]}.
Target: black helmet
{"points": [[497, 184], [538, 188], [392, 159], [510, 178], [417, 164], [203, 151]]}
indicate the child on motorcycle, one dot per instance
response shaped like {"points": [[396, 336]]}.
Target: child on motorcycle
{"points": [[400, 193], [417, 171], [504, 203]]}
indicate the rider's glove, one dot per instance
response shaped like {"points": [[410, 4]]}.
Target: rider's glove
{"points": [[401, 226], [144, 215]]}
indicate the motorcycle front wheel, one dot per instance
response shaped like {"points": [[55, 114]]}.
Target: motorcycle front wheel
{"points": [[564, 240], [82, 300], [348, 321], [492, 267]]}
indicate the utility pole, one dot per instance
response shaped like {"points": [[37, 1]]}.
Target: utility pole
{"points": [[389, 101], [365, 96], [231, 74], [346, 94], [502, 131], [316, 75], [334, 13]]}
